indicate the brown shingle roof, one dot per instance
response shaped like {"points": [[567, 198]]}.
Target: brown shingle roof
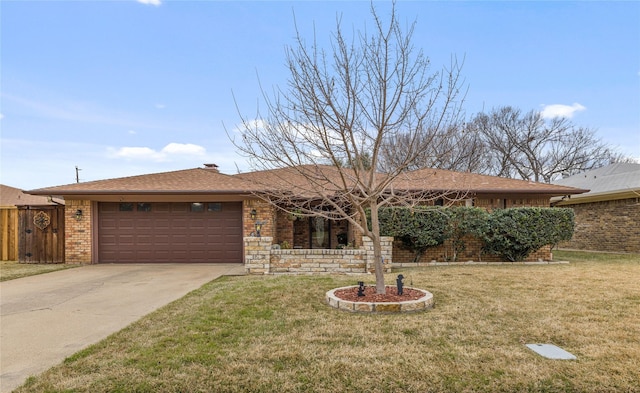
{"points": [[206, 181], [10, 196], [189, 181], [295, 179], [443, 180], [424, 179]]}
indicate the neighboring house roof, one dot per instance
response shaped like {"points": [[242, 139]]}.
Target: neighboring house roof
{"points": [[12, 197], [615, 181], [209, 181]]}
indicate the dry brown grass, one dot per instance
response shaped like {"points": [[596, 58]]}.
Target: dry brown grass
{"points": [[265, 334], [10, 270]]}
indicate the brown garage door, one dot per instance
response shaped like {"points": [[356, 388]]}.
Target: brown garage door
{"points": [[170, 232]]}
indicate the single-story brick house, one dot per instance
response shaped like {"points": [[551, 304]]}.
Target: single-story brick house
{"points": [[202, 215], [608, 216]]}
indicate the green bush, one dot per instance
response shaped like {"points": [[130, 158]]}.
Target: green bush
{"points": [[512, 234], [418, 228], [515, 233], [466, 221]]}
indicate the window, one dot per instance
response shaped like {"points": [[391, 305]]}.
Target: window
{"points": [[144, 207], [214, 207], [319, 232], [197, 207], [126, 207]]}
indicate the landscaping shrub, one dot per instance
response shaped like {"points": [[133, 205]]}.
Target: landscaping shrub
{"points": [[465, 221], [515, 233], [512, 234], [418, 228]]}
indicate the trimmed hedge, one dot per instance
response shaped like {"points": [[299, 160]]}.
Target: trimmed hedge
{"points": [[515, 233], [466, 221], [418, 229], [511, 234]]}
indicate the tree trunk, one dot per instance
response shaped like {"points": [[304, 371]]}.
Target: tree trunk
{"points": [[377, 249]]}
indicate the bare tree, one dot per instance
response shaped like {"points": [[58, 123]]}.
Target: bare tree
{"points": [[527, 146], [457, 148], [339, 107]]}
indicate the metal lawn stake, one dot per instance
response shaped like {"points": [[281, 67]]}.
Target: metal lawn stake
{"points": [[360, 288], [400, 284]]}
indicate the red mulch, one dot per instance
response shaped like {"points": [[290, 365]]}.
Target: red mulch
{"points": [[370, 296]]}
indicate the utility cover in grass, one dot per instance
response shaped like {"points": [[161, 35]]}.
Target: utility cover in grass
{"points": [[550, 351]]}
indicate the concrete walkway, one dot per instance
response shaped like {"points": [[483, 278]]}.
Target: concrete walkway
{"points": [[48, 317]]}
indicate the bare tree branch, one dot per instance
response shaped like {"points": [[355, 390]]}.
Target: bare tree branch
{"points": [[342, 108], [528, 147]]}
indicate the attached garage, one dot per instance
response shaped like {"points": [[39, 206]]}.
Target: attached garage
{"points": [[208, 232]]}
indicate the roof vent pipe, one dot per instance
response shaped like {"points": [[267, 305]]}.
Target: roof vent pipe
{"points": [[212, 167]]}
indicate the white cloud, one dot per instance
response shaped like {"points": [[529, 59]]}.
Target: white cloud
{"points": [[132, 132], [560, 110], [183, 148], [167, 153], [150, 2], [160, 106], [1, 116], [138, 153]]}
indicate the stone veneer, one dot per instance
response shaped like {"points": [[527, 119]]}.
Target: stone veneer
{"points": [[78, 234], [261, 258], [424, 303]]}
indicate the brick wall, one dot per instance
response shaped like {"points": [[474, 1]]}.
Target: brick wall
{"points": [[318, 261], [444, 252], [386, 242], [298, 231], [284, 228], [607, 226], [301, 233], [257, 254], [264, 213], [78, 233], [261, 258]]}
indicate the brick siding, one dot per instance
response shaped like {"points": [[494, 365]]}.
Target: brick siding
{"points": [[444, 253], [607, 226], [78, 233], [265, 213], [473, 246]]}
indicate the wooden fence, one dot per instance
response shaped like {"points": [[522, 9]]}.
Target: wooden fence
{"points": [[41, 234], [9, 234]]}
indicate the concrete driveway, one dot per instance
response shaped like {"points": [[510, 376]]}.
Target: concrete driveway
{"points": [[48, 317]]}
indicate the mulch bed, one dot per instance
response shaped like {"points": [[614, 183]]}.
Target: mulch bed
{"points": [[370, 295]]}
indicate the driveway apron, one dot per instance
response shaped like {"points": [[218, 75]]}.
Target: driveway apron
{"points": [[46, 318]]}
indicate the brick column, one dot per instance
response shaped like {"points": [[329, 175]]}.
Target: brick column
{"points": [[386, 242], [257, 255], [264, 213], [78, 234]]}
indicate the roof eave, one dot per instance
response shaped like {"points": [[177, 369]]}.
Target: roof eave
{"points": [[598, 197], [507, 191], [138, 192]]}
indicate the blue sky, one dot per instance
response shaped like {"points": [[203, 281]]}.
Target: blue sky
{"points": [[122, 88]]}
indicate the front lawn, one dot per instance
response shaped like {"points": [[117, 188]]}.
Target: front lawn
{"points": [[10, 270], [275, 334]]}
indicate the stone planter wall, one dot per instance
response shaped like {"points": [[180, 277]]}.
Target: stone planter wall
{"points": [[261, 258]]}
